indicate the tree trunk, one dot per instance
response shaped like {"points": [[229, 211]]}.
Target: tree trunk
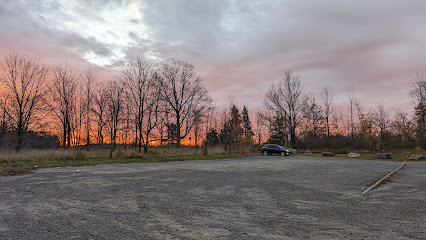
{"points": [[293, 137], [114, 134], [87, 131], [65, 135], [205, 148], [136, 136], [69, 134], [145, 146], [20, 140], [140, 136], [196, 138], [112, 148], [178, 129]]}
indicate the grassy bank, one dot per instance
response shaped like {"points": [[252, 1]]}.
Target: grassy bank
{"points": [[12, 163]]}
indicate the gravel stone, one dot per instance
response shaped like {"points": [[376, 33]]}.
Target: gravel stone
{"points": [[261, 197]]}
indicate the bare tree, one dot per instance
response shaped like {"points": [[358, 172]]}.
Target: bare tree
{"points": [[99, 109], [355, 107], [77, 117], [287, 98], [327, 99], [24, 82], [210, 131], [403, 127], [360, 113], [114, 93], [202, 122], [4, 122], [152, 115], [352, 104], [382, 117], [137, 77], [89, 81], [198, 120], [127, 122], [62, 99], [260, 123], [336, 122], [184, 93], [162, 127], [418, 95], [313, 115], [418, 91]]}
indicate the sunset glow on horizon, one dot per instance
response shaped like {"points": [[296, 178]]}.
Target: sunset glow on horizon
{"points": [[238, 47]]}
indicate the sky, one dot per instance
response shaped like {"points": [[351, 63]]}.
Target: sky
{"points": [[240, 47]]}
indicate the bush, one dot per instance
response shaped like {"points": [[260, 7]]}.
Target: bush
{"points": [[418, 150]]}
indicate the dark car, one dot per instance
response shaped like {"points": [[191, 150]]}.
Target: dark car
{"points": [[268, 149]]}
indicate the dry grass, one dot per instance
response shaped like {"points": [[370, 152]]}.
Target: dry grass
{"points": [[12, 162], [82, 154], [397, 155], [50, 154]]}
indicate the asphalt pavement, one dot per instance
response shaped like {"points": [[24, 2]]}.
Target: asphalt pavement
{"points": [[261, 197]]}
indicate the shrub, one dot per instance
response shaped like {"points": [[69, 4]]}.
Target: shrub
{"points": [[418, 150]]}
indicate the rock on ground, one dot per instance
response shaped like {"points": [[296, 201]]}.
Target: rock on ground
{"points": [[354, 155], [308, 153], [328, 154], [293, 151], [384, 155]]}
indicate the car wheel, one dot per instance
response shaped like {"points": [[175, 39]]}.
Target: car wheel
{"points": [[265, 153], [282, 153]]}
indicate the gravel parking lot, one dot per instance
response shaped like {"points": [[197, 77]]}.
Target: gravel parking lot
{"points": [[262, 197]]}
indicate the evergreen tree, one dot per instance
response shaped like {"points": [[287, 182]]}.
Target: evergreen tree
{"points": [[235, 124], [277, 129], [212, 137], [232, 131], [248, 133], [225, 135]]}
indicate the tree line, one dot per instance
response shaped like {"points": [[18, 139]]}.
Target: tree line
{"points": [[165, 102], [311, 120], [149, 101]]}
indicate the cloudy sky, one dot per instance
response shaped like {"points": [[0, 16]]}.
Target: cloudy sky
{"points": [[238, 47]]}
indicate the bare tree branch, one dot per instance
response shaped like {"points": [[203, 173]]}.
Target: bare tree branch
{"points": [[183, 92], [24, 81], [288, 99]]}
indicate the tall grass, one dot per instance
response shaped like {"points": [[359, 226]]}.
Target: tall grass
{"points": [[12, 162], [82, 154], [50, 154]]}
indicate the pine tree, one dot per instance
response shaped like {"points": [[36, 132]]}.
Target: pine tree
{"points": [[247, 130], [212, 137], [231, 131], [277, 129], [235, 124]]}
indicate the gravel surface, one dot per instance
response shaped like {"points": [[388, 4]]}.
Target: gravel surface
{"points": [[262, 197]]}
